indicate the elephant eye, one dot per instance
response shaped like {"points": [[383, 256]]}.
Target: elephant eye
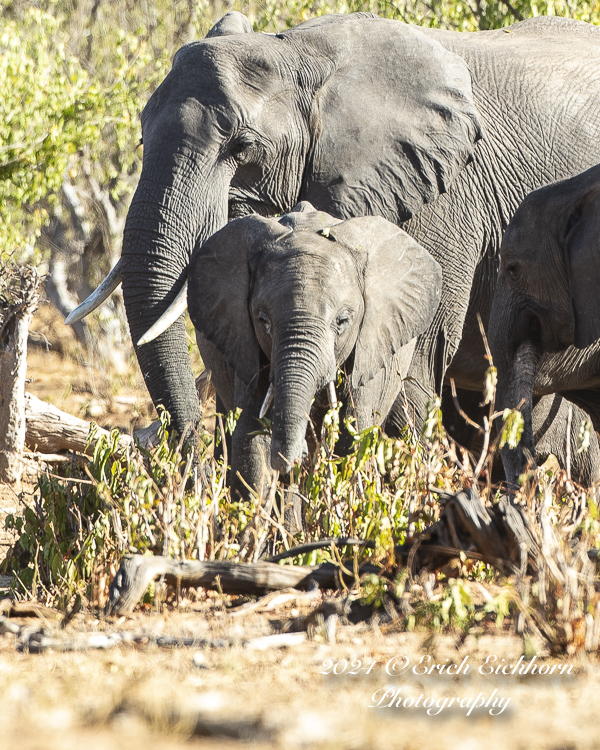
{"points": [[341, 322], [240, 149], [513, 270], [264, 321]]}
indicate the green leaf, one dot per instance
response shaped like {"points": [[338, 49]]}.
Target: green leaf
{"points": [[513, 428]]}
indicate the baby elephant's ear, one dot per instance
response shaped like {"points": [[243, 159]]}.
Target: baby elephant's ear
{"points": [[219, 287], [402, 290]]}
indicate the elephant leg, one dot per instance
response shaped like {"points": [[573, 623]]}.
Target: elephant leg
{"points": [[587, 399], [550, 420], [251, 453], [421, 385], [223, 378]]}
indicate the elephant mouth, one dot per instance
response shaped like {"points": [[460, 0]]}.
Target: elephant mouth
{"points": [[529, 331], [240, 205]]}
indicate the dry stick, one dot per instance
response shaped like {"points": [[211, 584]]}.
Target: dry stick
{"points": [[224, 444], [569, 418], [266, 511], [51, 429], [320, 544], [201, 526]]}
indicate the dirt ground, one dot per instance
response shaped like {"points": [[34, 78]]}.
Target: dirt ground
{"points": [[230, 695], [63, 375], [223, 691]]}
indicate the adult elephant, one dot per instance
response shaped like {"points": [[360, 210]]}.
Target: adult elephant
{"points": [[443, 133], [545, 321]]}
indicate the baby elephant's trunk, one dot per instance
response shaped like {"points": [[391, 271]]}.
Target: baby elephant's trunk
{"points": [[300, 370]]}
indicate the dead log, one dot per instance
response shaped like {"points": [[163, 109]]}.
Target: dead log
{"points": [[50, 430], [19, 296], [500, 535], [256, 579]]}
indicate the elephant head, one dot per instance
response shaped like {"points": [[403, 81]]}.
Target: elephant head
{"points": [[546, 297], [256, 122], [299, 296]]}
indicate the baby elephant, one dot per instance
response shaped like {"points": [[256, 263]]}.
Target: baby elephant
{"points": [[545, 320], [280, 304]]}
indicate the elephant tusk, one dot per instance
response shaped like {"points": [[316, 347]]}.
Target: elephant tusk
{"points": [[166, 320], [267, 402], [332, 395], [97, 297]]}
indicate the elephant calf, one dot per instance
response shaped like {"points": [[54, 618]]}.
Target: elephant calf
{"points": [[280, 304], [545, 319]]}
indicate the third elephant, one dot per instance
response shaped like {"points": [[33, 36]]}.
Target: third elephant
{"points": [[545, 321]]}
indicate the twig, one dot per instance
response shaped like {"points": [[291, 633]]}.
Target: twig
{"points": [[302, 549], [568, 459], [463, 414]]}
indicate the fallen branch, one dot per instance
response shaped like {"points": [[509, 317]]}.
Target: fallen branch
{"points": [[499, 535], [256, 579], [49, 430]]}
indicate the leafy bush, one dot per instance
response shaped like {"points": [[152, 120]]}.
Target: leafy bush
{"points": [[74, 532]]}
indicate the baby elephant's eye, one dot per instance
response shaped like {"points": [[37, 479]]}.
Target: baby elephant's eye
{"points": [[264, 321], [341, 322]]}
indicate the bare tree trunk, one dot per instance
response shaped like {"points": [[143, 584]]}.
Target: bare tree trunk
{"points": [[20, 293], [81, 243]]}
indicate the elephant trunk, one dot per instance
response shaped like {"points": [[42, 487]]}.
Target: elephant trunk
{"points": [[515, 343], [168, 214], [300, 369], [515, 390]]}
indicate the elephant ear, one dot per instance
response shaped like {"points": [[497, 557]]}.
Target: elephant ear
{"points": [[402, 291], [233, 22], [396, 119], [583, 247], [219, 287]]}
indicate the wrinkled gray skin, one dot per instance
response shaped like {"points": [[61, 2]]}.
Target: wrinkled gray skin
{"points": [[288, 301], [546, 310], [549, 422], [443, 133]]}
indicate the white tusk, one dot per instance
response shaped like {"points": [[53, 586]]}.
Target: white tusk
{"points": [[166, 320], [331, 392], [267, 402], [97, 297]]}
